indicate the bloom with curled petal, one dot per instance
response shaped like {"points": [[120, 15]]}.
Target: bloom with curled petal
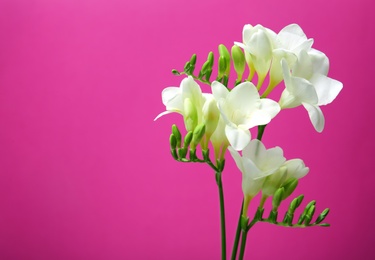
{"points": [[242, 109], [307, 84], [256, 163]]}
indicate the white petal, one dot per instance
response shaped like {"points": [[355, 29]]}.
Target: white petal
{"points": [[219, 90], [316, 116], [296, 168], [320, 61], [237, 137], [237, 158], [162, 114], [304, 67], [255, 151], [326, 88], [292, 37], [172, 98], [303, 90], [243, 97], [267, 109]]}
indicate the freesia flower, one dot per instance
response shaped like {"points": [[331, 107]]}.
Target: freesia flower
{"points": [[288, 43], [308, 85], [242, 109], [256, 163], [186, 100]]}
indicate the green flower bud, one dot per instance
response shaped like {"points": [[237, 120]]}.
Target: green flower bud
{"points": [[176, 134], [193, 59], [239, 61], [210, 59], [277, 198], [222, 66], [198, 134], [289, 187], [188, 138], [223, 51], [175, 72], [173, 141], [190, 115], [322, 216], [306, 210], [309, 215]]}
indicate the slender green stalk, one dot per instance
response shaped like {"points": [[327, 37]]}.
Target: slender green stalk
{"points": [[237, 237], [222, 216], [243, 244]]}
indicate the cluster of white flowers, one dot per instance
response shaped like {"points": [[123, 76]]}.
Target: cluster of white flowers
{"points": [[228, 114]]}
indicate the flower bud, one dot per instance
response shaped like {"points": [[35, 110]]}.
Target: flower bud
{"points": [[211, 115], [289, 187], [173, 141], [277, 198], [222, 66], [239, 61], [223, 51], [187, 139], [322, 216], [198, 135], [177, 135], [190, 115]]}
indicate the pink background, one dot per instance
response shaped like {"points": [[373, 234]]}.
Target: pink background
{"points": [[87, 174]]}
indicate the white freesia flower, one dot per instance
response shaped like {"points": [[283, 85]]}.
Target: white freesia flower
{"points": [[294, 168], [308, 85], [242, 109], [186, 100], [288, 43], [258, 46], [256, 163]]}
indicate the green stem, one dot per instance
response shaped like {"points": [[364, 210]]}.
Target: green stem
{"points": [[261, 131], [237, 237], [222, 216], [243, 244]]}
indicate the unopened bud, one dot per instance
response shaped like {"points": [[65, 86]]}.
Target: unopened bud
{"points": [[176, 134], [289, 187], [223, 51], [190, 115], [277, 198], [198, 134], [239, 61]]}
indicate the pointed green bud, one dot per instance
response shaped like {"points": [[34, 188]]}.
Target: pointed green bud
{"points": [[193, 59], [188, 138], [176, 134], [289, 187], [198, 135], [210, 59], [190, 115], [222, 67], [223, 51], [173, 141], [187, 68], [322, 216], [176, 72], [309, 214], [306, 210], [239, 61], [277, 198], [295, 204]]}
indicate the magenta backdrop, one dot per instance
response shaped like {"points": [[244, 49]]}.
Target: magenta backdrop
{"points": [[87, 174]]}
